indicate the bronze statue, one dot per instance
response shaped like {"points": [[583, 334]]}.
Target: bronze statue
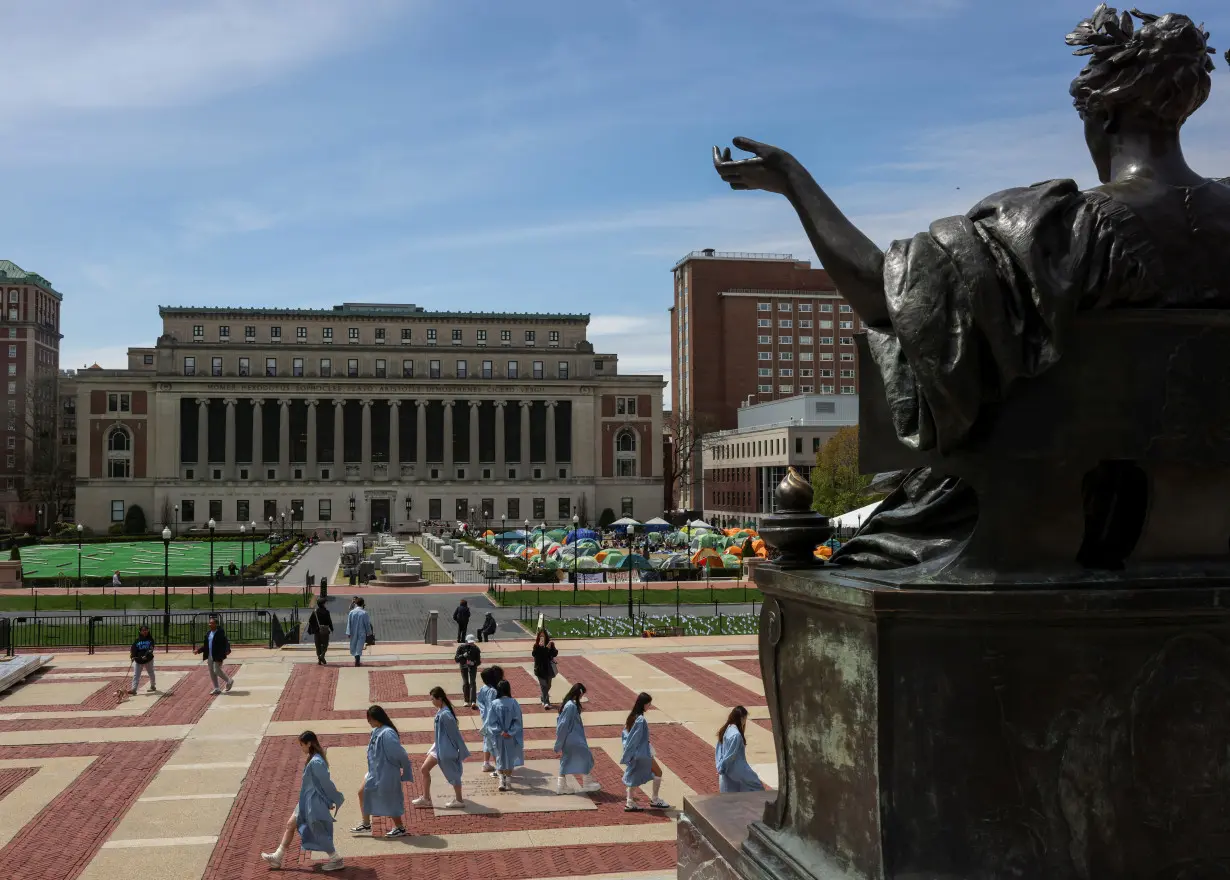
{"points": [[958, 315]]}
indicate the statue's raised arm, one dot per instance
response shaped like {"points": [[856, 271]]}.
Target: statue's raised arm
{"points": [[852, 259]]}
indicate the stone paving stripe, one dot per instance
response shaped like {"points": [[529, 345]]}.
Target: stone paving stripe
{"points": [[160, 841], [217, 765], [186, 797]]}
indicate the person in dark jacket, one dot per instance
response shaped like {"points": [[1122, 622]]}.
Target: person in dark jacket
{"points": [[487, 630], [142, 655], [469, 657], [544, 654], [214, 651], [320, 627], [462, 616]]}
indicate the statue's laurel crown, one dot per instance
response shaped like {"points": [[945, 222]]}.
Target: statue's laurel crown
{"points": [[1113, 39]]}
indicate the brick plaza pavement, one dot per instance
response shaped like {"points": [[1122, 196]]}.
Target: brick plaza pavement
{"points": [[183, 785]]}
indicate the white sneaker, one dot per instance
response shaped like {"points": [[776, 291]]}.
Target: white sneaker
{"points": [[591, 784], [504, 783], [421, 801], [454, 804], [561, 785], [489, 768], [334, 864], [274, 859]]}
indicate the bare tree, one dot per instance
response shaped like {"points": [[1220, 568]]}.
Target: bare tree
{"points": [[690, 435]]}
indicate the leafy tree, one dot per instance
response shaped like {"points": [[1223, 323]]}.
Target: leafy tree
{"points": [[607, 517], [134, 521], [838, 485]]}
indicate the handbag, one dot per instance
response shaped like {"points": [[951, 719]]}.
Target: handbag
{"points": [[371, 639], [554, 669]]}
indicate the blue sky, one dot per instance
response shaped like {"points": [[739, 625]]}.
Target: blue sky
{"points": [[492, 155]]}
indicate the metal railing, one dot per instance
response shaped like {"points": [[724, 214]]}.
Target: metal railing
{"points": [[529, 613], [179, 629]]}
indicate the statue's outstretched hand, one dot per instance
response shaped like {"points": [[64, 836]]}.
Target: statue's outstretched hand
{"points": [[767, 171]]}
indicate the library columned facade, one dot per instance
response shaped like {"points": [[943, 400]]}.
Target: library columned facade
{"points": [[366, 416]]}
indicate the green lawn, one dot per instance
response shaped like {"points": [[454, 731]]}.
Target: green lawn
{"points": [[136, 558], [150, 600], [619, 593], [621, 627]]}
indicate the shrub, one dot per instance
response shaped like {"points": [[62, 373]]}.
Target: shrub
{"points": [[15, 554], [607, 517], [134, 521], [115, 529]]}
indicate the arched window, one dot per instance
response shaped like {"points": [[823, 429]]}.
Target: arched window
{"points": [[119, 454], [625, 453]]}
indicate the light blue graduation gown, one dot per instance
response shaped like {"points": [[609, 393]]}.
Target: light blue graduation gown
{"points": [[388, 766], [734, 773], [318, 797], [486, 694], [637, 758], [505, 717], [358, 625], [570, 742], [451, 749]]}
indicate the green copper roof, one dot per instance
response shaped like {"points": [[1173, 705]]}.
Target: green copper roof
{"points": [[12, 272]]}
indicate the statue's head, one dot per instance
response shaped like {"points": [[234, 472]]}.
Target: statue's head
{"points": [[1149, 78]]}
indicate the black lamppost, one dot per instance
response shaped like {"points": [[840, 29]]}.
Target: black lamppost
{"points": [[282, 523], [80, 531], [470, 524], [271, 531], [576, 525], [527, 542], [177, 520], [409, 507], [631, 531], [352, 506], [212, 525], [243, 539], [166, 585], [252, 529]]}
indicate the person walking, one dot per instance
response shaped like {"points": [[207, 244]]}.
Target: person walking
{"points": [[462, 617], [571, 744], [468, 658], [313, 817], [320, 627], [214, 652], [544, 654], [487, 630], [491, 676], [388, 766], [448, 752], [142, 655], [358, 628], [507, 733], [115, 579], [734, 773], [639, 762]]}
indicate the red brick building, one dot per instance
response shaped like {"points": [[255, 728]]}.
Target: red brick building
{"points": [[752, 328]]}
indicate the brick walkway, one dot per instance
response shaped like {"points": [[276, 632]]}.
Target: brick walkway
{"points": [[184, 785]]}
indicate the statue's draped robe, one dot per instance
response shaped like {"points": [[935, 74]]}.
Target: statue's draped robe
{"points": [[981, 301]]}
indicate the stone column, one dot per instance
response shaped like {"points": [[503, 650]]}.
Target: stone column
{"points": [[394, 439], [525, 439], [365, 448], [474, 433], [229, 472], [501, 469], [420, 441], [448, 439], [284, 439], [202, 438], [550, 468], [258, 438], [339, 439], [313, 470]]}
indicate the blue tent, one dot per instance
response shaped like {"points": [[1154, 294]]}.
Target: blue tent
{"points": [[580, 535], [657, 524]]}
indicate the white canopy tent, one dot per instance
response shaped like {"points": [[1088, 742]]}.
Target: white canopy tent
{"points": [[854, 518]]}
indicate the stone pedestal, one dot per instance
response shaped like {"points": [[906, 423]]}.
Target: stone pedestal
{"points": [[712, 830], [1028, 732]]}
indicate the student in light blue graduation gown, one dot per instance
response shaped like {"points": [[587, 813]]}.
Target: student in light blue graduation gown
{"points": [[640, 766], [491, 677], [448, 752], [388, 766], [734, 773], [571, 745], [507, 734], [313, 816], [358, 627]]}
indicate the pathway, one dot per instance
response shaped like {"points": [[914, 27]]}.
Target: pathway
{"points": [[320, 560]]}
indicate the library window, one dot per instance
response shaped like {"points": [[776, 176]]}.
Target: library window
{"points": [[625, 406], [461, 369], [456, 337], [563, 369], [198, 331], [538, 370], [352, 334], [275, 334], [245, 367], [352, 367], [529, 337], [431, 336], [433, 370], [407, 369], [326, 368], [487, 369], [189, 366], [271, 366], [379, 334], [510, 370], [224, 332], [407, 334], [119, 402], [382, 368], [301, 334], [117, 511], [326, 334], [215, 366], [480, 336]]}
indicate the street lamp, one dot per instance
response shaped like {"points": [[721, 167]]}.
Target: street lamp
{"points": [[166, 585], [252, 529], [352, 506], [542, 539], [576, 522], [243, 539], [80, 531], [177, 520], [631, 531], [527, 540], [212, 525], [470, 524], [271, 531], [409, 507]]}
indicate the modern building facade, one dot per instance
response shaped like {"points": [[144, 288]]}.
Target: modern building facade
{"points": [[753, 328], [742, 467], [30, 336], [364, 416]]}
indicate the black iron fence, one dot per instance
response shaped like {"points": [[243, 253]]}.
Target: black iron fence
{"points": [[529, 613], [179, 629]]}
